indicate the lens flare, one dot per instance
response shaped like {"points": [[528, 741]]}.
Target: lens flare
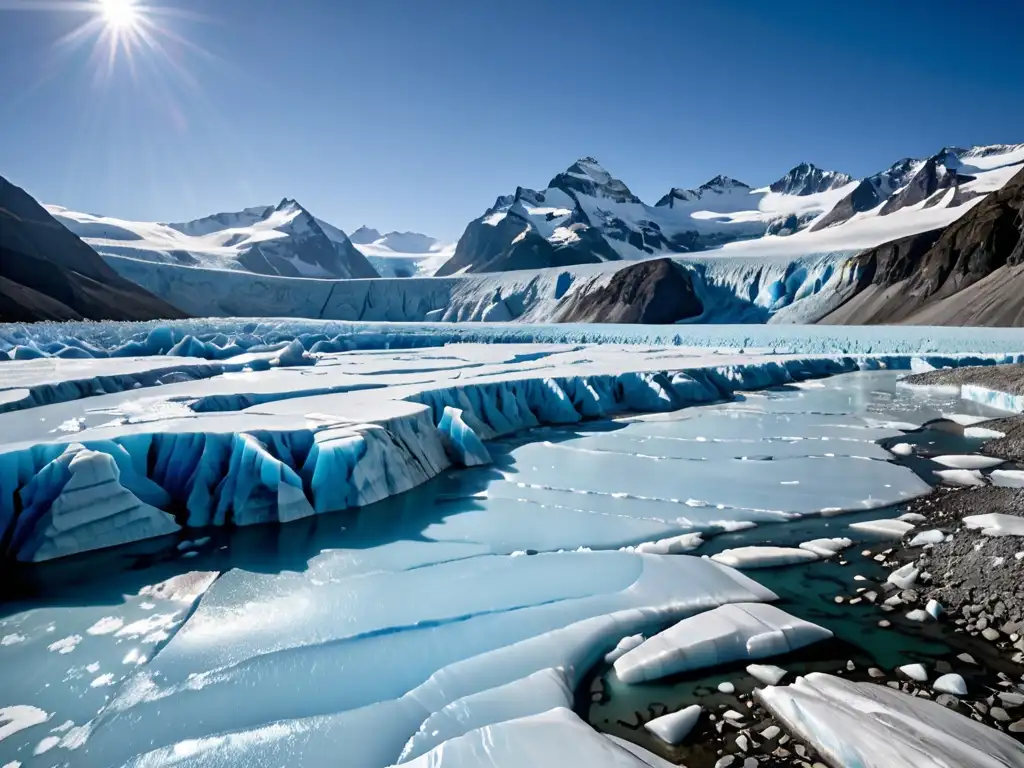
{"points": [[119, 14]]}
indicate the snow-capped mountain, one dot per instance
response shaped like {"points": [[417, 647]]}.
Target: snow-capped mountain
{"points": [[283, 239], [586, 215], [402, 254], [809, 179]]}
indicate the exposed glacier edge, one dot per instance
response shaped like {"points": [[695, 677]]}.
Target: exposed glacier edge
{"points": [[269, 470]]}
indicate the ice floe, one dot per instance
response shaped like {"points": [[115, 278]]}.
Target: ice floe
{"points": [[730, 633], [996, 524]]}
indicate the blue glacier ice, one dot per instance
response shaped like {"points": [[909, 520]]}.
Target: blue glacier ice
{"points": [[460, 441]]}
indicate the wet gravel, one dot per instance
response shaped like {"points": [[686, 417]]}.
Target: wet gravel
{"points": [[1006, 378]]}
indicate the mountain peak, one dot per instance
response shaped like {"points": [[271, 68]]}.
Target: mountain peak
{"points": [[723, 182], [808, 179], [588, 177], [365, 235]]}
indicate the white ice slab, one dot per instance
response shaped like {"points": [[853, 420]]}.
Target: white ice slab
{"points": [[1007, 478], [996, 524], [873, 726], [968, 461], [768, 674], [764, 557], [730, 633], [827, 547], [675, 726], [892, 528]]}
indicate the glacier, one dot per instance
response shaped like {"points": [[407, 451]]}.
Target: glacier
{"points": [[546, 532]]}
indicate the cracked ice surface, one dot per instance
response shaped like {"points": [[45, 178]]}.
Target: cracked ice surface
{"points": [[417, 638]]}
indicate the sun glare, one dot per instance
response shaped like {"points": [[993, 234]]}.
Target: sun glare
{"points": [[119, 14]]}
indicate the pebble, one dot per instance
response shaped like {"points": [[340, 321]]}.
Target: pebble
{"points": [[742, 743], [917, 615], [998, 713], [884, 623], [726, 687], [966, 658], [771, 732], [876, 672], [726, 761], [750, 762], [990, 634], [1017, 727], [1010, 699]]}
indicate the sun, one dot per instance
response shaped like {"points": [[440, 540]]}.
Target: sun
{"points": [[119, 14]]}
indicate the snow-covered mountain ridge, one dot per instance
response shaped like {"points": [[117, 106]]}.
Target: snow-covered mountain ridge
{"points": [[402, 254], [586, 215], [283, 239]]}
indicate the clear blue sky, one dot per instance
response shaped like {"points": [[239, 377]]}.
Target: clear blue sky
{"points": [[416, 114]]}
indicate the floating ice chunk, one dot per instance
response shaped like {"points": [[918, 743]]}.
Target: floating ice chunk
{"points": [[927, 537], [827, 547], [730, 633], [891, 528], [91, 509], [904, 577], [183, 588], [934, 608], [106, 625], [19, 717], [763, 557], [726, 687], [902, 449], [951, 683], [968, 461], [915, 672], [460, 441], [675, 726], [1007, 478], [626, 644], [996, 524], [960, 476], [553, 739], [65, 644], [12, 639], [673, 545], [917, 615], [768, 674], [874, 726], [532, 695], [912, 517], [983, 433]]}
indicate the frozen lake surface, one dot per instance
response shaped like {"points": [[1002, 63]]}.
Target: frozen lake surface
{"points": [[482, 598]]}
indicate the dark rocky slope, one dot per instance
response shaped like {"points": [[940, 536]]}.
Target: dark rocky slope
{"points": [[970, 273], [655, 292], [48, 273]]}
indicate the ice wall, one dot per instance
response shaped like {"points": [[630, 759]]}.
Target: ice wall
{"points": [[733, 289]]}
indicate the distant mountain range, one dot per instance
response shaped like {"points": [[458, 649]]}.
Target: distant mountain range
{"points": [[283, 239], [586, 215]]}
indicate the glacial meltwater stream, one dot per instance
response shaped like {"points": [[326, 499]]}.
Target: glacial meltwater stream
{"points": [[139, 655]]}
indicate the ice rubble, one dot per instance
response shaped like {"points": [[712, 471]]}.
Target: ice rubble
{"points": [[308, 645], [873, 726], [729, 633]]}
